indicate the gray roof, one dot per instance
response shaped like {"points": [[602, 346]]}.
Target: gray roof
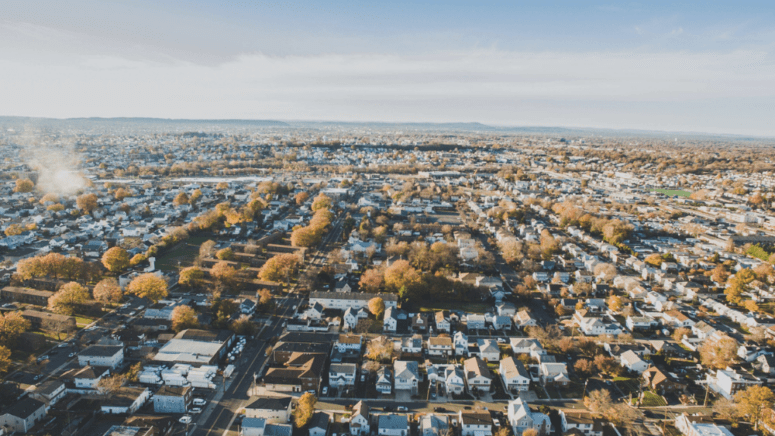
{"points": [[394, 422]]}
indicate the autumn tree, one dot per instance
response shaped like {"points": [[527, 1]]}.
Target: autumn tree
{"points": [[207, 249], [718, 354], [279, 267], [149, 286], [304, 409], [184, 317], [86, 202], [400, 274], [526, 432], [108, 291], [371, 280], [598, 402], [615, 303], [265, 299], [719, 274], [110, 385], [306, 236], [243, 326], [584, 367], [224, 273], [606, 271], [225, 254], [379, 349], [24, 185], [116, 259], [181, 199], [377, 307], [679, 333], [654, 260], [12, 325], [67, 298], [121, 194], [5, 359], [753, 402], [607, 365], [191, 276], [322, 201], [301, 197]]}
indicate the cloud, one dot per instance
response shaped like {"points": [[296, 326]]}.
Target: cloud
{"points": [[343, 87]]}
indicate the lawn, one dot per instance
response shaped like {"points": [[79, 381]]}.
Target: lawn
{"points": [[651, 399], [83, 321], [627, 385], [185, 253], [454, 305], [672, 192]]}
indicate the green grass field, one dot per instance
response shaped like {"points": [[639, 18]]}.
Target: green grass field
{"points": [[651, 399], [185, 253], [672, 192]]}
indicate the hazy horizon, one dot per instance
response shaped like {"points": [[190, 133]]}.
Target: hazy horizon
{"points": [[686, 68]]}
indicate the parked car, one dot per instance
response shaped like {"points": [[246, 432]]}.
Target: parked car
{"points": [[195, 410], [402, 409], [440, 409], [185, 419], [199, 402], [325, 390]]}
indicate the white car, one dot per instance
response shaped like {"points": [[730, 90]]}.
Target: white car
{"points": [[195, 410], [324, 391], [199, 402], [185, 419]]}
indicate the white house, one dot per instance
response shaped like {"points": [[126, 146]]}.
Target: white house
{"points": [[477, 374], [488, 350], [440, 346], [406, 375], [460, 342], [393, 425], [515, 376], [359, 420], [475, 423], [110, 356], [521, 418], [633, 362]]}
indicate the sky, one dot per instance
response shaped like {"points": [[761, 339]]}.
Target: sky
{"points": [[704, 66]]}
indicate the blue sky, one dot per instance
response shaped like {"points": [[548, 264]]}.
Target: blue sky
{"points": [[683, 66]]}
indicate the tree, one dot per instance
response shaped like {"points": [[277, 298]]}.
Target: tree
{"points": [[719, 274], [86, 202], [149, 286], [301, 197], [181, 199], [584, 367], [5, 359], [379, 349], [751, 306], [110, 385], [265, 299], [278, 267], [191, 276], [243, 326], [654, 260], [67, 298], [401, 275], [116, 259], [504, 431], [527, 432], [322, 201], [304, 409], [12, 325], [24, 185], [718, 354], [184, 317], [598, 402], [725, 408], [108, 291], [377, 307], [225, 254], [121, 194], [753, 402], [372, 280], [133, 372], [606, 271], [607, 365], [679, 333], [306, 236], [206, 249], [224, 273], [615, 303]]}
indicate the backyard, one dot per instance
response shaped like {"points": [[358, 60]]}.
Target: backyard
{"points": [[673, 192]]}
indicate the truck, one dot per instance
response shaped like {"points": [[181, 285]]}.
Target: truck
{"points": [[228, 371]]}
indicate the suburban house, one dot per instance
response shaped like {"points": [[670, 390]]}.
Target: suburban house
{"points": [[432, 424], [110, 356], [521, 418], [271, 409], [318, 424], [515, 376], [126, 401], [478, 375], [581, 422], [384, 380], [359, 420], [407, 375], [440, 346], [460, 342], [553, 373], [23, 414], [342, 374], [392, 425], [488, 350], [475, 423]]}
